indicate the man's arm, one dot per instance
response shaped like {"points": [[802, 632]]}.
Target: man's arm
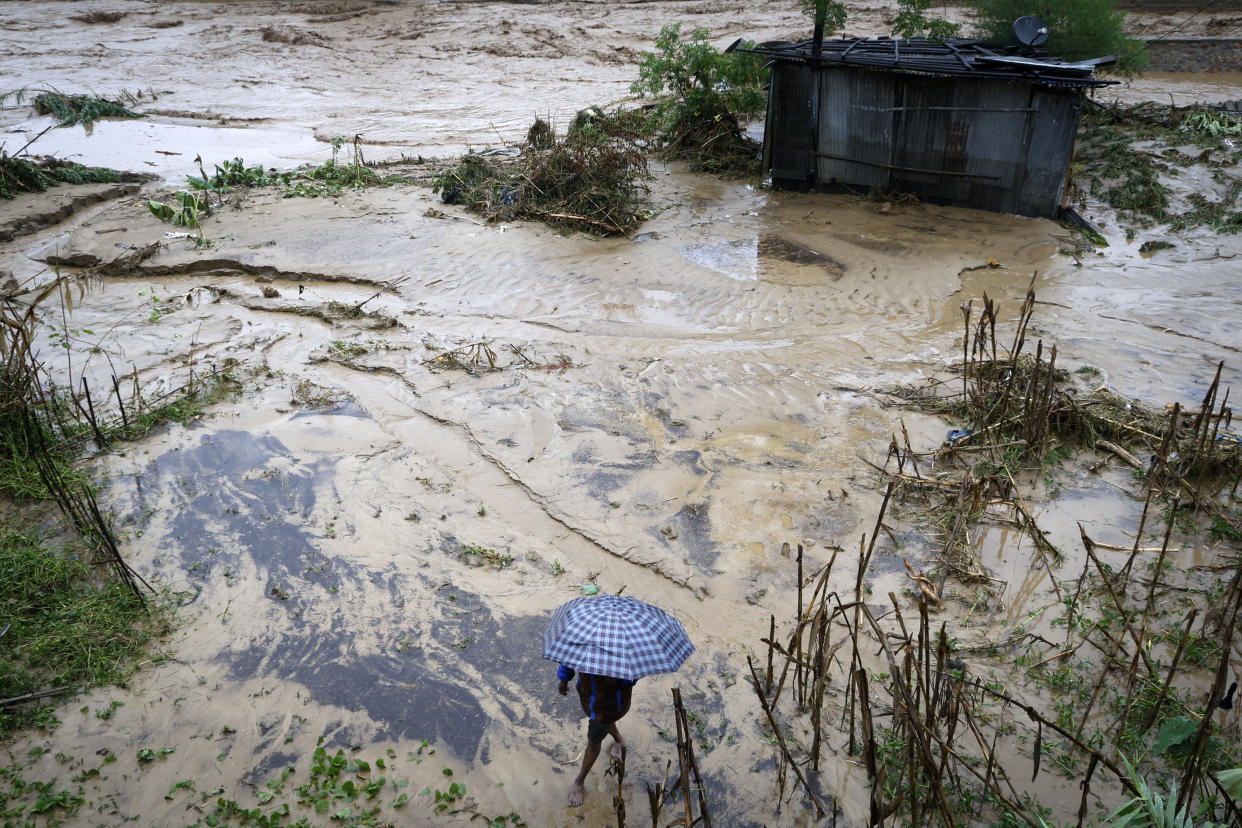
{"points": [[564, 674]]}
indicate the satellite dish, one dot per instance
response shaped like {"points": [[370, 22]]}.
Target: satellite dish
{"points": [[1031, 31]]}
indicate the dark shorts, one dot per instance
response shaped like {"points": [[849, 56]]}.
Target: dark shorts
{"points": [[597, 730], [604, 700]]}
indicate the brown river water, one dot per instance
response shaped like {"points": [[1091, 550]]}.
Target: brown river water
{"points": [[670, 408]]}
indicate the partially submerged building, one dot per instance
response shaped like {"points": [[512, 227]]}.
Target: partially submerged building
{"points": [[955, 123]]}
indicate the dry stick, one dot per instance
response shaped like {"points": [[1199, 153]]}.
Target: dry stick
{"points": [[780, 740], [1033, 530], [1204, 445], [959, 521], [683, 763], [1131, 677], [909, 705], [1089, 545], [799, 687], [1138, 536], [1226, 413], [819, 687], [1086, 789], [1143, 549], [771, 643], [1168, 681], [704, 816], [1073, 607], [864, 559], [1117, 647], [90, 411], [656, 796], [88, 522], [41, 694], [116, 386], [1039, 752], [1036, 717], [1164, 548], [878, 811], [969, 765], [1195, 761], [617, 767], [909, 450], [966, 309]]}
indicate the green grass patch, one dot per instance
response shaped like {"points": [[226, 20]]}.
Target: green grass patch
{"points": [[183, 406], [23, 175], [64, 629], [1135, 181], [19, 471]]}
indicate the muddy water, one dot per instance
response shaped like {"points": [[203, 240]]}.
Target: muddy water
{"points": [[668, 410]]}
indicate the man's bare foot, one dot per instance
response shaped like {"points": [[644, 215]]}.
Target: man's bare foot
{"points": [[576, 794], [618, 750]]}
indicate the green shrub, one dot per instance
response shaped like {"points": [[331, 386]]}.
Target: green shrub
{"points": [[1080, 29], [912, 21], [702, 96], [827, 16]]}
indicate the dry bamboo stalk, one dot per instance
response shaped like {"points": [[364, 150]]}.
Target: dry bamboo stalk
{"points": [[1088, 544], [1194, 763], [780, 740]]}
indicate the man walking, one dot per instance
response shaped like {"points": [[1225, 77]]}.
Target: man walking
{"points": [[605, 700]]}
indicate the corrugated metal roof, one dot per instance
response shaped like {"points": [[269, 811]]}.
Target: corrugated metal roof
{"points": [[952, 58]]}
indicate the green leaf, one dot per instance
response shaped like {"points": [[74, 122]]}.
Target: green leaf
{"points": [[1174, 734], [1231, 781], [160, 210], [401, 800], [265, 797]]}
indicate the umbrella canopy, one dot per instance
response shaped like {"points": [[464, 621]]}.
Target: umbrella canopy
{"points": [[613, 636]]}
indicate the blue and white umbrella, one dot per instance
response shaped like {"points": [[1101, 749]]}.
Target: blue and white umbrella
{"points": [[614, 636]]}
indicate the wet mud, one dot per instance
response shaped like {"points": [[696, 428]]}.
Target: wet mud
{"points": [[667, 415]]}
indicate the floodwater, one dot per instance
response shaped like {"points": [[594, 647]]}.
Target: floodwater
{"points": [[668, 410]]}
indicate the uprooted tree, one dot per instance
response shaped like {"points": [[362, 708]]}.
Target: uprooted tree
{"points": [[702, 97]]}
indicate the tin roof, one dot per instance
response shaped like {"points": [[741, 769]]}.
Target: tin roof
{"points": [[952, 58]]}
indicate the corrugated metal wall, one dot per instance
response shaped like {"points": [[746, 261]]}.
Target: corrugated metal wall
{"points": [[986, 143]]}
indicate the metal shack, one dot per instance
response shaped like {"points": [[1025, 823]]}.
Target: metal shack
{"points": [[954, 123]]}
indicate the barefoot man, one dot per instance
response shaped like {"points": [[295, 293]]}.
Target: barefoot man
{"points": [[605, 700], [612, 642]]}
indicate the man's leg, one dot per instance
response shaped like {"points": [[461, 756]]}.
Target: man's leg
{"points": [[578, 792], [618, 744]]}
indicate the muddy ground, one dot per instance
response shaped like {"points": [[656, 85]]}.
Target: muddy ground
{"points": [[665, 412]]}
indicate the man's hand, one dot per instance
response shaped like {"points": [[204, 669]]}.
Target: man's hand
{"points": [[563, 688]]}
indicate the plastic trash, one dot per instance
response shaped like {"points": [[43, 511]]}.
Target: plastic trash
{"points": [[956, 435], [589, 589]]}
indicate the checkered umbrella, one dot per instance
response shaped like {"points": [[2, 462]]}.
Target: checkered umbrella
{"points": [[613, 636]]}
